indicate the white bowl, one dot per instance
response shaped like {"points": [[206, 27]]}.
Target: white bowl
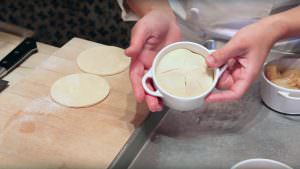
{"points": [[260, 163], [279, 98], [172, 101]]}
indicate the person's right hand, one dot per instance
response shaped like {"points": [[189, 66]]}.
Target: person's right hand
{"points": [[151, 33], [244, 54]]}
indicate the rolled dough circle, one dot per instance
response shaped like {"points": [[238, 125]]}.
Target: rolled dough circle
{"points": [[103, 60], [79, 90]]}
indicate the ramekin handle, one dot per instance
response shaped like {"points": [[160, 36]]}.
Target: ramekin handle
{"points": [[287, 95], [147, 76]]}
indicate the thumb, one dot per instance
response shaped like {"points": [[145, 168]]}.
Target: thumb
{"points": [[221, 56], [139, 35]]}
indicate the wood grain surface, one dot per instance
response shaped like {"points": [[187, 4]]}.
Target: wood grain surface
{"points": [[36, 132]]}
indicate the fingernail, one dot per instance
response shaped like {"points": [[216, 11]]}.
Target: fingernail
{"points": [[159, 109], [152, 110], [156, 109], [210, 59], [129, 51]]}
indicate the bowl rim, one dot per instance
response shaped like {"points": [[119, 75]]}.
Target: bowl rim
{"points": [[260, 160], [159, 55]]}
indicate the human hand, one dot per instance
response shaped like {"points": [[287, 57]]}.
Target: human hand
{"points": [[151, 33], [245, 54]]}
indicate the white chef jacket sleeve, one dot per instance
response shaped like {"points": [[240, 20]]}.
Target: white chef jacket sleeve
{"points": [[126, 13], [182, 13]]}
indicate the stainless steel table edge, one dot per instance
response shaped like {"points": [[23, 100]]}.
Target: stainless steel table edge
{"points": [[137, 140]]}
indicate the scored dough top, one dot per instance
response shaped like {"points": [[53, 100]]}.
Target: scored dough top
{"points": [[103, 60], [184, 73]]}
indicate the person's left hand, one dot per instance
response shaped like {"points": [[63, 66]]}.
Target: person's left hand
{"points": [[152, 32], [245, 54]]}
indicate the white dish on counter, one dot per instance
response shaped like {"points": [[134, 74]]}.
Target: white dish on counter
{"points": [[279, 98]]}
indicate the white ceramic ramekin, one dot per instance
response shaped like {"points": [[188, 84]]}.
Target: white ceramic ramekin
{"points": [[172, 101], [281, 99]]}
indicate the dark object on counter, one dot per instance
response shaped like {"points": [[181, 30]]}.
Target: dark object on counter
{"points": [[17, 56], [3, 85]]}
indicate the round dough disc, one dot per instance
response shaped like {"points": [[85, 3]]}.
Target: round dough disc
{"points": [[103, 60], [79, 90]]}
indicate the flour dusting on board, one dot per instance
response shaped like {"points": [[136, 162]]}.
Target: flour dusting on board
{"points": [[52, 63], [43, 105]]}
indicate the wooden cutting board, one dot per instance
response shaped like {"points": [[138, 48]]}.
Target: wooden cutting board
{"points": [[36, 132]]}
